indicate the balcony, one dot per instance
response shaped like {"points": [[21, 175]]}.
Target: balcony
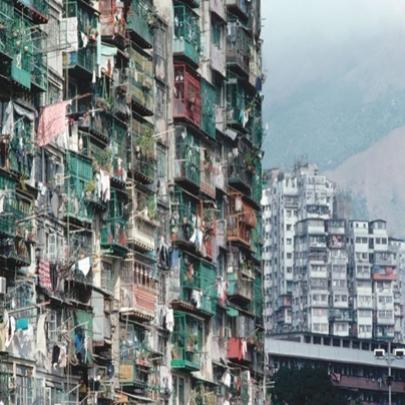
{"points": [[340, 315], [237, 350], [239, 287], [187, 339], [187, 95], [257, 188], [16, 251], [39, 73], [6, 20], [83, 62], [135, 363], [80, 174], [208, 109], [140, 82], [240, 175], [207, 181], [184, 216], [119, 149], [241, 221], [114, 231], [336, 227], [384, 259], [187, 37], [198, 282], [138, 290], [143, 154], [239, 232], [21, 69], [142, 232], [237, 114], [237, 49], [386, 331], [188, 155], [100, 124], [317, 257], [239, 7], [113, 24], [254, 125], [139, 20], [257, 303], [36, 9], [257, 242]]}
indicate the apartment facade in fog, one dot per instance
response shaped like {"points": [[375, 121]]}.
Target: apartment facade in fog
{"points": [[327, 275]]}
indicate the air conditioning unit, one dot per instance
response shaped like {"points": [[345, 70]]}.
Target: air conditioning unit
{"points": [[379, 353], [3, 285], [11, 384]]}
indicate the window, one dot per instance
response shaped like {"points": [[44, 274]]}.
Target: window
{"points": [[216, 29], [24, 385], [288, 227], [178, 390]]}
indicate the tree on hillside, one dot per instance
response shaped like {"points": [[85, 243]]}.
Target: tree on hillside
{"points": [[305, 386]]}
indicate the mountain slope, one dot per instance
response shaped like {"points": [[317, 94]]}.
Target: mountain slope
{"points": [[378, 175], [354, 96]]}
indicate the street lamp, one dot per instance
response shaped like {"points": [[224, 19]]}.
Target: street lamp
{"points": [[389, 357]]}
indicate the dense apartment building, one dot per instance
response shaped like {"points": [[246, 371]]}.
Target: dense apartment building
{"points": [[130, 186], [327, 275], [301, 195]]}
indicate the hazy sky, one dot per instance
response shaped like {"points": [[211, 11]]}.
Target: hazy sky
{"points": [[297, 31], [306, 41]]}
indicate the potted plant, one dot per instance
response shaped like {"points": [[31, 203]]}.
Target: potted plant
{"points": [[90, 188]]}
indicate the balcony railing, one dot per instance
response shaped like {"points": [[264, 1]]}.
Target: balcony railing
{"points": [[187, 95], [119, 147], [188, 164], [80, 173], [114, 233], [198, 280], [139, 81], [187, 35], [138, 21], [187, 342], [139, 298], [85, 57], [38, 9], [238, 232], [238, 175], [142, 232], [208, 109], [241, 287], [6, 20], [237, 50], [207, 183], [39, 73]]}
